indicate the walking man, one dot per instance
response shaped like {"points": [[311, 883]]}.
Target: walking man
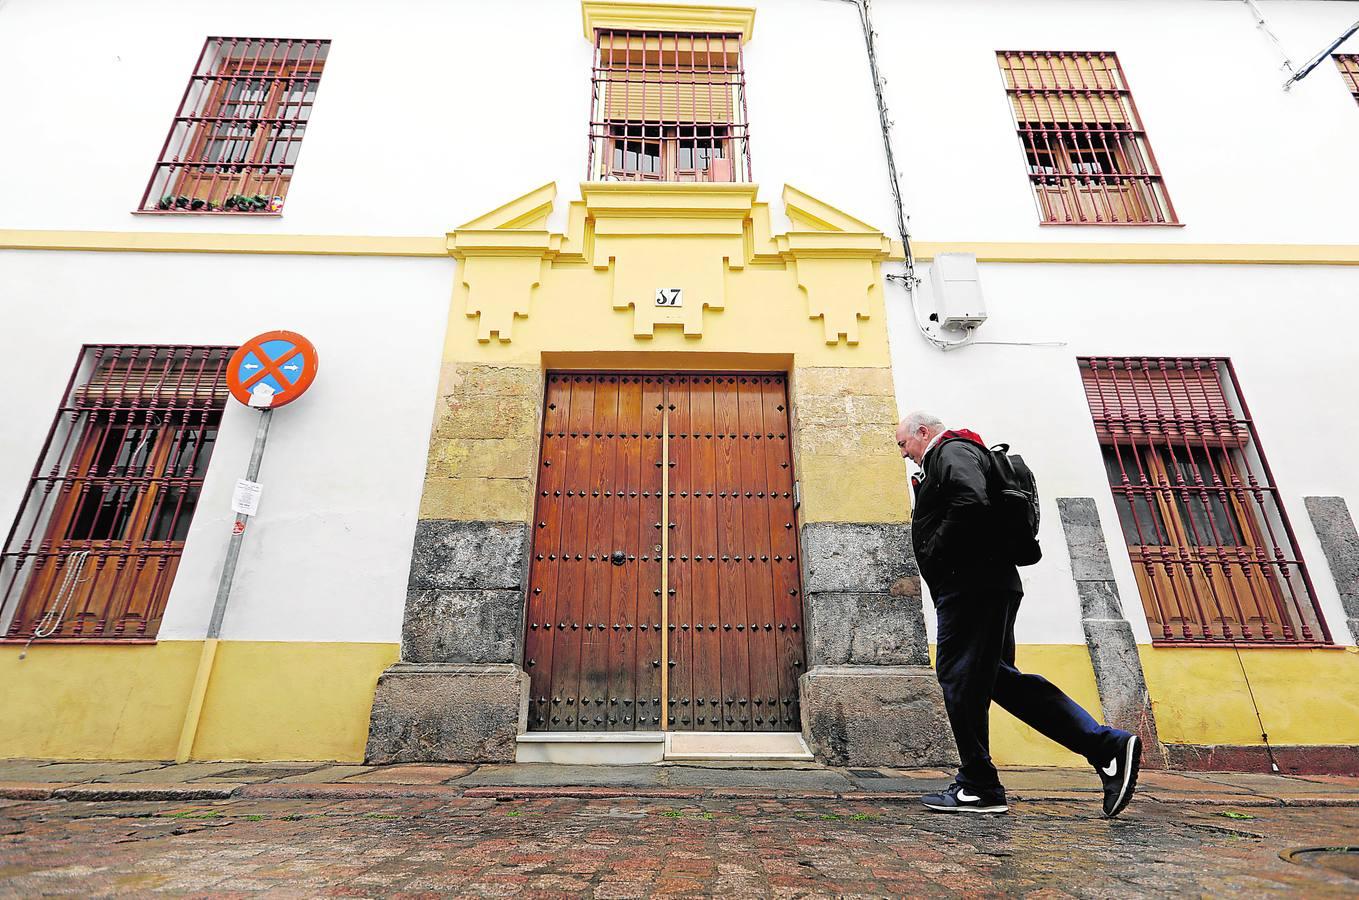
{"points": [[976, 595]]}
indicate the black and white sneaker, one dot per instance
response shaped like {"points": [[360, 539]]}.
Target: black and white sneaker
{"points": [[1120, 775], [957, 798]]}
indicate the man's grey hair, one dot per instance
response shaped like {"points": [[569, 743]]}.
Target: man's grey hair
{"points": [[918, 418]]}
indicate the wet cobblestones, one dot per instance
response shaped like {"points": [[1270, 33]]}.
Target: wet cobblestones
{"points": [[631, 847]]}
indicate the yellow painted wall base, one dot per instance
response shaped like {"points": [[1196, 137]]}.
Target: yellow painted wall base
{"points": [[267, 700], [310, 701], [1305, 696], [1066, 665]]}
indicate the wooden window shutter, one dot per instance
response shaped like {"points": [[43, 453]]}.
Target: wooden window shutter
{"points": [[670, 78], [1068, 87], [1159, 400], [155, 377]]}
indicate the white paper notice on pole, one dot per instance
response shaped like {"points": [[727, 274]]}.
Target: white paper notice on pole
{"points": [[262, 396], [246, 498]]}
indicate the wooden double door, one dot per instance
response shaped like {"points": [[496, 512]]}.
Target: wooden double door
{"points": [[664, 588]]}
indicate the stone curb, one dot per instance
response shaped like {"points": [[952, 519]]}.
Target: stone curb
{"points": [[28, 790], [146, 792], [341, 791], [269, 791], [584, 793]]}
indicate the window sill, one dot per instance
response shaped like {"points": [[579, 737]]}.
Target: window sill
{"points": [[40, 642], [1247, 645], [1111, 224], [216, 212]]}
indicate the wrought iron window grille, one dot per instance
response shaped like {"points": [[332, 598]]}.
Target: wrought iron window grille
{"points": [[93, 551], [668, 106], [1212, 549], [1089, 160], [234, 141], [1348, 64]]}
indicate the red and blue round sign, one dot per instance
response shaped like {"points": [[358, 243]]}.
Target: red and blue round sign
{"points": [[272, 369]]}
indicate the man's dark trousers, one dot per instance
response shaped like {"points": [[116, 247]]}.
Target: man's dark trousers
{"points": [[975, 662]]}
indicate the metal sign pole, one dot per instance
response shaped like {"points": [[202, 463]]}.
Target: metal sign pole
{"points": [[238, 532], [189, 731]]}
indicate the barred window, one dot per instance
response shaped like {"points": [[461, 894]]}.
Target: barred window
{"points": [[1088, 156], [94, 549], [234, 141], [1214, 555], [668, 106], [1348, 63]]}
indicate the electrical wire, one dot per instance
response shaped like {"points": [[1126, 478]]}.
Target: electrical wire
{"points": [[910, 281], [1316, 60], [1250, 692]]}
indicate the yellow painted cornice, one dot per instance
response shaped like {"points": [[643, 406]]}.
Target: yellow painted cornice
{"points": [[1151, 254], [171, 242], [805, 211], [600, 14], [532, 209], [690, 200], [618, 199]]}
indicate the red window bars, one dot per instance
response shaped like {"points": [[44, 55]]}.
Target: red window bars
{"points": [[668, 107], [1348, 63], [234, 141], [94, 549], [1089, 159], [1212, 549]]}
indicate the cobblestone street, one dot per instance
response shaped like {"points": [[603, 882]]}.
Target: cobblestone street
{"points": [[634, 847]]}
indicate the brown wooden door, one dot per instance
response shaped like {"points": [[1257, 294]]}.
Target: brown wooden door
{"points": [[722, 643], [736, 607]]}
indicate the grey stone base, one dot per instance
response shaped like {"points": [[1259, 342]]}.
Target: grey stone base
{"points": [[876, 716], [1340, 542], [430, 712]]}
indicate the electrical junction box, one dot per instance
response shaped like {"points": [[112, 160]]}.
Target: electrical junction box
{"points": [[957, 291]]}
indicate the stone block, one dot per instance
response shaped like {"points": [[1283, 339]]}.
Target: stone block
{"points": [[426, 712], [462, 626], [1085, 539], [477, 499], [875, 629], [1340, 542], [1118, 674], [837, 381], [876, 716], [1099, 600], [853, 489], [452, 555], [857, 557]]}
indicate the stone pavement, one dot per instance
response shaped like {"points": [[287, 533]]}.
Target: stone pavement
{"points": [[639, 847], [298, 829], [44, 779]]}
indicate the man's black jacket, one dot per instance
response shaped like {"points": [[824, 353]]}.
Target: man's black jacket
{"points": [[952, 528]]}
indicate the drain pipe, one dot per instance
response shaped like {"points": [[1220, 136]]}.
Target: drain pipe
{"points": [[909, 280]]}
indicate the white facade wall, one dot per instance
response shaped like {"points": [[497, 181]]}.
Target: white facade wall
{"points": [[1244, 162], [328, 556], [1288, 330], [430, 114]]}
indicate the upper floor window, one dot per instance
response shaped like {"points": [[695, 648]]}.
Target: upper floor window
{"points": [[1348, 63], [668, 106], [1088, 157], [235, 139], [94, 549], [1211, 546]]}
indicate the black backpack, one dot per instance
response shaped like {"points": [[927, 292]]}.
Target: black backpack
{"points": [[1014, 497]]}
